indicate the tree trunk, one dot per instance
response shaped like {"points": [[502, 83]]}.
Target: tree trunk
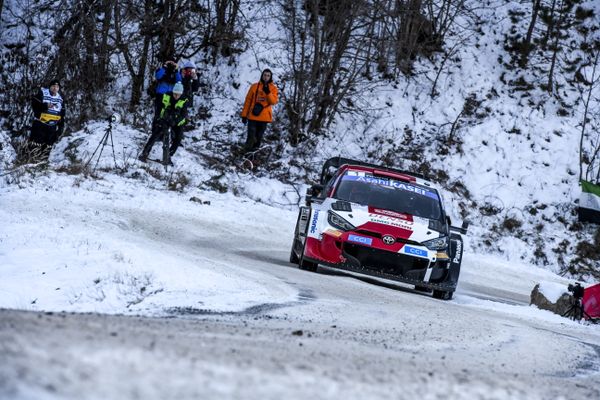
{"points": [[555, 46], [167, 31], [526, 46], [550, 29]]}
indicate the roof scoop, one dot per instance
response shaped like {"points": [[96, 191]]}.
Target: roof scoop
{"points": [[341, 205]]}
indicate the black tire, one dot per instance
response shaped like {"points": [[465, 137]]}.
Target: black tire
{"points": [[294, 259], [422, 289], [293, 256], [304, 264], [307, 265], [443, 294]]}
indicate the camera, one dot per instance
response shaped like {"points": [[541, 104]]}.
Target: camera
{"points": [[114, 118], [576, 289]]}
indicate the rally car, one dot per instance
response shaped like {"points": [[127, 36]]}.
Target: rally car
{"points": [[382, 222]]}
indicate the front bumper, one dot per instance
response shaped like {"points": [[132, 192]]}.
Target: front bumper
{"points": [[396, 266]]}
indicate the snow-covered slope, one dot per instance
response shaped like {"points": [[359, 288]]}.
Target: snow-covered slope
{"points": [[510, 166]]}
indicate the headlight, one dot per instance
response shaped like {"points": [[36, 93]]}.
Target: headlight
{"points": [[440, 243], [338, 222]]}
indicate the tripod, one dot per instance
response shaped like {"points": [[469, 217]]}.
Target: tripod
{"points": [[576, 311], [102, 144]]}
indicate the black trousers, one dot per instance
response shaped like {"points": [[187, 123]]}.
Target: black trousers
{"points": [[42, 139], [158, 131], [44, 134], [157, 108], [256, 130]]}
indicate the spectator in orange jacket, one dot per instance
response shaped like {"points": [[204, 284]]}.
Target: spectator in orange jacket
{"points": [[257, 111]]}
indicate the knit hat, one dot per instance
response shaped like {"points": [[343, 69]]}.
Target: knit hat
{"points": [[54, 82], [189, 64], [178, 88]]}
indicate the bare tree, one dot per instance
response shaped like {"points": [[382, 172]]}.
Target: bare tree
{"points": [[135, 49], [589, 147], [527, 45], [326, 60]]}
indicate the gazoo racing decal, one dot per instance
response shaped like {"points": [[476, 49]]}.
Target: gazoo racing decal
{"points": [[389, 213], [415, 252], [360, 239], [313, 222], [398, 223], [390, 183]]}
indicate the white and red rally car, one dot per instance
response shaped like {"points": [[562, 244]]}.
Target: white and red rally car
{"points": [[381, 222]]}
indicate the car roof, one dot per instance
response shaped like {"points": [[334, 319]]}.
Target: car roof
{"points": [[333, 164], [388, 173]]}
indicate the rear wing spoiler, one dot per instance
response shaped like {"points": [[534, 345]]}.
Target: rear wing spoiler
{"points": [[337, 162]]}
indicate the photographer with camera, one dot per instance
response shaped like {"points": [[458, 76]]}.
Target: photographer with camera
{"points": [[49, 117], [190, 81], [257, 111], [172, 116], [166, 77]]}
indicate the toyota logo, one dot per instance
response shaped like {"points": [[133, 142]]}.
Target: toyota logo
{"points": [[388, 239]]}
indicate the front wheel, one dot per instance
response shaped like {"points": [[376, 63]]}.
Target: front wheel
{"points": [[304, 264], [307, 265], [294, 259], [293, 256], [442, 294], [422, 289]]}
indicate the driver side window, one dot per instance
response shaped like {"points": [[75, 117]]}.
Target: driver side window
{"points": [[328, 186]]}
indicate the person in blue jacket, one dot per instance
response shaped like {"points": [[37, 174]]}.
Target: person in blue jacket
{"points": [[166, 77]]}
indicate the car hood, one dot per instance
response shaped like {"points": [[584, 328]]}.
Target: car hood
{"points": [[381, 221]]}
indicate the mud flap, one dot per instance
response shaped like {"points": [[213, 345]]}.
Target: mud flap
{"points": [[302, 223], [456, 253]]}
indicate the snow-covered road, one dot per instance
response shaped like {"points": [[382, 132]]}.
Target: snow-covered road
{"points": [[226, 316]]}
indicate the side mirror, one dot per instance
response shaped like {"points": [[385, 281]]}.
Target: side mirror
{"points": [[313, 191], [308, 197], [463, 228]]}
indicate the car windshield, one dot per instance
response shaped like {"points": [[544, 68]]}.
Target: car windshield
{"points": [[390, 194]]}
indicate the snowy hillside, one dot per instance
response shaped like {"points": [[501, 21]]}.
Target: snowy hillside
{"points": [[507, 159]]}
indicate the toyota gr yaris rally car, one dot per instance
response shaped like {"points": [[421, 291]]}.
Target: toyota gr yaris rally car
{"points": [[381, 222]]}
